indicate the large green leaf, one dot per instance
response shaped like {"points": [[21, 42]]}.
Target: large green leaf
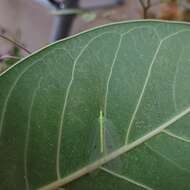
{"points": [[107, 109]]}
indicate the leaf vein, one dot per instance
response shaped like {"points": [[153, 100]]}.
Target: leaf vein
{"points": [[60, 131], [147, 80], [110, 74], [125, 178], [28, 136], [166, 158], [175, 80], [10, 93], [176, 136], [142, 93], [120, 151]]}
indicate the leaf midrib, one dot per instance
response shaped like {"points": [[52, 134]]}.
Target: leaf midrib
{"points": [[126, 148], [120, 151]]}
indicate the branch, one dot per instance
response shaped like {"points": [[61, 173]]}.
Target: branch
{"points": [[15, 43], [63, 23], [145, 7], [8, 57], [56, 4], [80, 10]]}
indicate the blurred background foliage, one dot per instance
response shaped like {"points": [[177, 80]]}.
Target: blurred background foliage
{"points": [[27, 25]]}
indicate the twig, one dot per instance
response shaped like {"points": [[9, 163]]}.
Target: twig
{"points": [[65, 14], [79, 10], [57, 4], [63, 23], [69, 11], [145, 7], [8, 57], [15, 43]]}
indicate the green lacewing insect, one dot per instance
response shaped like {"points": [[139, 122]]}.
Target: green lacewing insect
{"points": [[101, 120], [103, 139], [104, 136]]}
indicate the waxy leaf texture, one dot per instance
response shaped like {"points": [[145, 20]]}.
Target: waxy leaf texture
{"points": [[107, 109]]}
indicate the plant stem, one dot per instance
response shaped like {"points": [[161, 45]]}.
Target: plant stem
{"points": [[79, 10], [9, 57], [15, 43], [63, 23], [145, 7]]}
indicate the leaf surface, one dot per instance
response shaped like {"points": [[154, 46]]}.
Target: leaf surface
{"points": [[106, 109]]}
